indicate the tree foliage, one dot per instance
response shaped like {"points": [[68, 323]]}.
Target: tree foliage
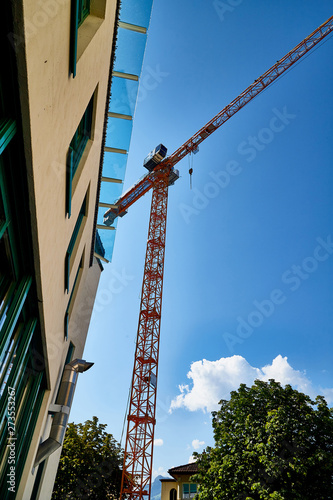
{"points": [[270, 443], [90, 464]]}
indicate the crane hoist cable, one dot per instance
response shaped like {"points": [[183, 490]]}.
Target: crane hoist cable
{"points": [[137, 465], [190, 167]]}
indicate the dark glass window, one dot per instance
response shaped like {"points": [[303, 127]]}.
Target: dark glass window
{"points": [[2, 210], [7, 281], [76, 149], [189, 490], [81, 136], [72, 242], [72, 296], [84, 10]]}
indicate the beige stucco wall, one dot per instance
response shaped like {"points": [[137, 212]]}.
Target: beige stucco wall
{"points": [[177, 484], [53, 103], [166, 487], [77, 333]]}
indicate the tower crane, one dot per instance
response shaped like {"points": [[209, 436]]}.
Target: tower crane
{"points": [[137, 467]]}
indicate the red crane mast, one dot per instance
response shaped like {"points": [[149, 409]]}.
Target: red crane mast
{"points": [[137, 467]]}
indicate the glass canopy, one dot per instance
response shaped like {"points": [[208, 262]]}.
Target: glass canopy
{"points": [[131, 43]]}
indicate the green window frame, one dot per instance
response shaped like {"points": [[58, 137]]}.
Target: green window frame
{"points": [[189, 490], [3, 221], [20, 373], [80, 9], [83, 10], [75, 285], [70, 353], [22, 368], [76, 149], [193, 489], [73, 240], [18, 295], [39, 475], [7, 132], [8, 282]]}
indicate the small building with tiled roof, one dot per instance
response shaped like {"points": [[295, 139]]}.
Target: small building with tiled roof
{"points": [[179, 486]]}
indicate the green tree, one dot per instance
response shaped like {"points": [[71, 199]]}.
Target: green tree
{"points": [[270, 443], [90, 464]]}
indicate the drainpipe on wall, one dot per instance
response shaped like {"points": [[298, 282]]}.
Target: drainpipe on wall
{"points": [[61, 409]]}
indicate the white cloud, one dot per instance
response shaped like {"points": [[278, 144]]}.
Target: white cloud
{"points": [[197, 444], [191, 460], [158, 442], [160, 471], [328, 395], [213, 381]]}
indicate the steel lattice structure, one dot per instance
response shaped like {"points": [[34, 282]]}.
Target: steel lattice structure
{"points": [[137, 467], [260, 84], [141, 418]]}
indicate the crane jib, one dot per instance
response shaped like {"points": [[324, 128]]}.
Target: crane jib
{"points": [[260, 84], [254, 89], [138, 455]]}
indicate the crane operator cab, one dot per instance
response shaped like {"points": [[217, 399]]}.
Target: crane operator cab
{"points": [[155, 157]]}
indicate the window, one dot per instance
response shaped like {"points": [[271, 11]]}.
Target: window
{"points": [[71, 246], [22, 364], [76, 149], [83, 10], [173, 494], [7, 280], [81, 136], [4, 205], [72, 297], [7, 131], [23, 379], [39, 475], [189, 490], [70, 353], [80, 9], [193, 490], [2, 213], [86, 18], [29, 392]]}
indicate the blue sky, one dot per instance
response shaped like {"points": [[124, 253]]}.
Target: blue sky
{"points": [[249, 255]]}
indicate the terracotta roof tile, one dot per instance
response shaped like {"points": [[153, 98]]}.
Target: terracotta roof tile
{"points": [[184, 469]]}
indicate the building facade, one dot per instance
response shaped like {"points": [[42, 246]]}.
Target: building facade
{"points": [[180, 486], [55, 85]]}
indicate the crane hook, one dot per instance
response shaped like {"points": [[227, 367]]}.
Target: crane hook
{"points": [[190, 167]]}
